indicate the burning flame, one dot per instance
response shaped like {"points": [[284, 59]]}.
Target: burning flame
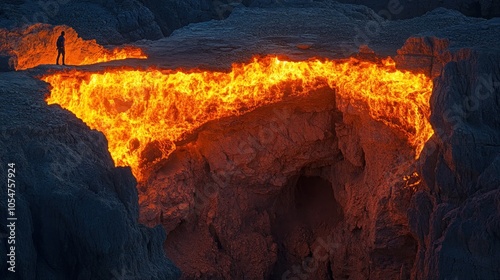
{"points": [[36, 44], [143, 112]]}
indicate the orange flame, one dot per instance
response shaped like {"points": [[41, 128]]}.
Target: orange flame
{"points": [[36, 44], [137, 108]]}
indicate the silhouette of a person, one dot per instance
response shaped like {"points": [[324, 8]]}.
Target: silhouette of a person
{"points": [[60, 48]]}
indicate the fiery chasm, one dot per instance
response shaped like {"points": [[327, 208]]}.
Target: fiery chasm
{"points": [[143, 113]]}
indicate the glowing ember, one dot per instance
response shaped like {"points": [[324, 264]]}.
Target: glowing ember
{"points": [[36, 45], [137, 108]]}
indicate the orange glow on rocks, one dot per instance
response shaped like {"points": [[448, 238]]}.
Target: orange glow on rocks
{"points": [[36, 44], [141, 111]]}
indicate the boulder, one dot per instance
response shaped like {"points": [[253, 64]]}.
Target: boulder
{"points": [[7, 63]]}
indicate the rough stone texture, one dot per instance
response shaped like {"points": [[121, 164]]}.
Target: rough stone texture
{"points": [[457, 220], [431, 52], [426, 55], [331, 30], [108, 22], [261, 197], [119, 22], [77, 213], [173, 14], [113, 21], [7, 62], [403, 9]]}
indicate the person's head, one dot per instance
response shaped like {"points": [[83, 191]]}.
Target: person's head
{"points": [[62, 33]]}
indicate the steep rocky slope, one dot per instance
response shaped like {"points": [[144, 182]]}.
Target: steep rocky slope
{"points": [[457, 217], [76, 213]]}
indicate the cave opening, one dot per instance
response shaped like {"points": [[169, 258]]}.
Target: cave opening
{"points": [[315, 203], [305, 212]]}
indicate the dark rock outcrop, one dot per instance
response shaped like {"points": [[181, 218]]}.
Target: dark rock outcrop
{"points": [[404, 9], [76, 213], [173, 14], [7, 62], [456, 220]]}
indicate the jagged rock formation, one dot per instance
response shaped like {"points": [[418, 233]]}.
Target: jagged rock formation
{"points": [[457, 218], [77, 214]]}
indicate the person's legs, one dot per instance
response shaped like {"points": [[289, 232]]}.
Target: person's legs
{"points": [[58, 55], [63, 55]]}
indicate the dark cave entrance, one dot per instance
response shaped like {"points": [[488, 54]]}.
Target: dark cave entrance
{"points": [[305, 211], [315, 203]]}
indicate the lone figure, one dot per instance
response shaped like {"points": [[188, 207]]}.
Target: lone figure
{"points": [[60, 48]]}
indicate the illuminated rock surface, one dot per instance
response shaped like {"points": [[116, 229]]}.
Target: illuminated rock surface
{"points": [[33, 45]]}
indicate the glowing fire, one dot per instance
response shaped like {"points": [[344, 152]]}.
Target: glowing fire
{"points": [[137, 108], [36, 44]]}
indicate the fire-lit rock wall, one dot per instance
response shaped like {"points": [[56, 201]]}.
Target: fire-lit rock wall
{"points": [[294, 184], [33, 45]]}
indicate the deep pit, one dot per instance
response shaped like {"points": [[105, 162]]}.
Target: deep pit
{"points": [[164, 124], [134, 108]]}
